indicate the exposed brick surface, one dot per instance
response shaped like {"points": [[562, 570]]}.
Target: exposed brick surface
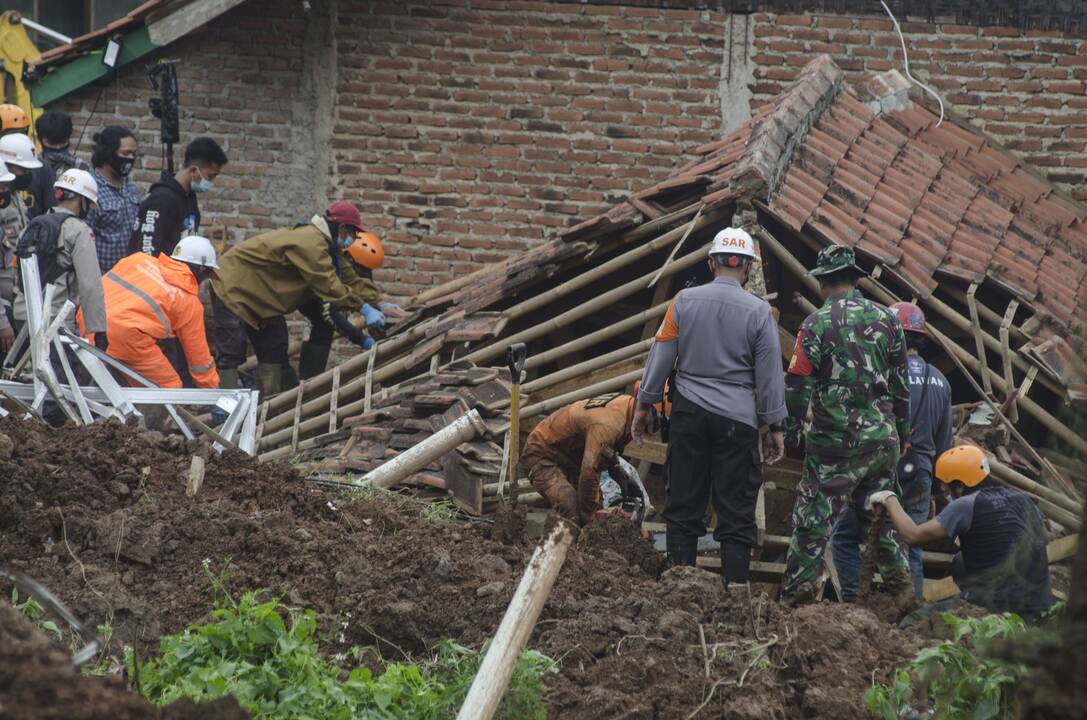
{"points": [[234, 88], [469, 130]]}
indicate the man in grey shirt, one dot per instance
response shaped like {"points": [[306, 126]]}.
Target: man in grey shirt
{"points": [[722, 342], [73, 263]]}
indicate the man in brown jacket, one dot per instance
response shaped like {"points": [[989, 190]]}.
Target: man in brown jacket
{"points": [[566, 453], [268, 276]]}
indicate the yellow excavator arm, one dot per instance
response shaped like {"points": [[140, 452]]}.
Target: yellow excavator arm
{"points": [[16, 50]]}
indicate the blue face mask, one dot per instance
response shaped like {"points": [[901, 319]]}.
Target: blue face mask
{"points": [[344, 242], [202, 185]]}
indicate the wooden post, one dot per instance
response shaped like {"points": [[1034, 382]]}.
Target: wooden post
{"points": [[334, 399], [195, 479], [979, 343], [517, 626]]}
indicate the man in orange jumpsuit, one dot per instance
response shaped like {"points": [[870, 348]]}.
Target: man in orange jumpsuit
{"points": [[566, 453], [152, 298]]}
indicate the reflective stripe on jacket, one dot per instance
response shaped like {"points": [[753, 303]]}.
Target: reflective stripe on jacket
{"points": [[157, 297]]}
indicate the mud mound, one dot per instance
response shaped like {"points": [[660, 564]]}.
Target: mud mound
{"points": [[615, 535], [99, 515], [39, 682]]}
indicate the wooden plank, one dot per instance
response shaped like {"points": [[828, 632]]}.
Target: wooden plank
{"points": [[333, 399], [654, 452], [182, 22]]}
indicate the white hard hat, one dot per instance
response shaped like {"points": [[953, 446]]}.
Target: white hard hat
{"points": [[18, 149], [79, 182], [733, 241], [196, 250], [6, 176]]}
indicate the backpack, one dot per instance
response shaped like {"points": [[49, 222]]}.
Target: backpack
{"points": [[41, 239]]}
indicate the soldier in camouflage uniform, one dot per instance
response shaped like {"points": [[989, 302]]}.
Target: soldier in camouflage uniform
{"points": [[849, 364]]}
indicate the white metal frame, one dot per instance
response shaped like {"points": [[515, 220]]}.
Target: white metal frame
{"points": [[106, 398]]}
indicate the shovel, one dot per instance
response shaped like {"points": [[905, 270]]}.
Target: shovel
{"points": [[515, 360]]}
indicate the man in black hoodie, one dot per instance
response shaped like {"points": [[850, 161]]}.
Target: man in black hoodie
{"points": [[170, 211]]}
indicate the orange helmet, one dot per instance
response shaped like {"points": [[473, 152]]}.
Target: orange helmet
{"points": [[663, 406], [367, 250], [966, 464], [13, 117]]}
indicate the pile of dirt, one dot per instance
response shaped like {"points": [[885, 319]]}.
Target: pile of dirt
{"points": [[100, 516], [38, 680]]}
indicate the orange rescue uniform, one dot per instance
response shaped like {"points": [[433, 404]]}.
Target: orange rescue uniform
{"points": [[566, 453], [150, 299]]}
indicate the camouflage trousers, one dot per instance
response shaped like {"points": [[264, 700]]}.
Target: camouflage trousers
{"points": [[825, 487]]}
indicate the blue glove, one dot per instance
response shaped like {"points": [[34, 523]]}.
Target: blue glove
{"points": [[218, 416], [367, 343], [374, 317], [387, 306]]}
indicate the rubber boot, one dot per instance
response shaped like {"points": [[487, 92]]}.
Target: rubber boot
{"points": [[269, 377], [735, 563], [228, 378], [312, 359], [682, 550]]}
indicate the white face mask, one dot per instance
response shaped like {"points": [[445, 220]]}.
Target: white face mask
{"points": [[202, 185]]}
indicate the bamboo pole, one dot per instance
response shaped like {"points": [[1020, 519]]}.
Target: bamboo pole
{"points": [[616, 263], [588, 366], [1010, 476], [415, 458], [587, 341], [517, 625], [491, 351]]}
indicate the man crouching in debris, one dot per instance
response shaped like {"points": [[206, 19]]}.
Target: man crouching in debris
{"points": [[849, 363], [566, 453], [723, 344], [1002, 563]]}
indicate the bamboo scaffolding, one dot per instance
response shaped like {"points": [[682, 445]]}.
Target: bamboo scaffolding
{"points": [[348, 369], [884, 296], [493, 350]]}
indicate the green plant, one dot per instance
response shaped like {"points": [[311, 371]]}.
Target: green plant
{"points": [[266, 655], [35, 613], [440, 510], [956, 679], [104, 663]]}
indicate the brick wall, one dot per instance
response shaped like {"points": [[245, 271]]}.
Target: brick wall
{"points": [[1025, 89], [237, 85], [471, 130]]}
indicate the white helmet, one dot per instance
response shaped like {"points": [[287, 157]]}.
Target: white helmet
{"points": [[77, 181], [196, 250], [733, 241], [6, 175], [18, 149]]}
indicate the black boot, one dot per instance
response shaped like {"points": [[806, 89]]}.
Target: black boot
{"points": [[312, 359], [682, 549], [735, 563]]}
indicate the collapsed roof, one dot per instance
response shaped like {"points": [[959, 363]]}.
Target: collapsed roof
{"points": [[938, 212]]}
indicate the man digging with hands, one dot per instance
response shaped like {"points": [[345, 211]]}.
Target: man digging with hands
{"points": [[1002, 564], [722, 344]]}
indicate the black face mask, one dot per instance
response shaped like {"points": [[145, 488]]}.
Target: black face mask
{"points": [[5, 198], [84, 209], [22, 182], [122, 165]]}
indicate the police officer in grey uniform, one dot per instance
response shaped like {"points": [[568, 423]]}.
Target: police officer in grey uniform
{"points": [[722, 342]]}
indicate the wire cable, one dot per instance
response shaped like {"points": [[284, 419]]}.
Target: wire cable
{"points": [[906, 62]]}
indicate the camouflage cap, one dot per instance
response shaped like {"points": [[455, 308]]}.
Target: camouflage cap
{"points": [[833, 258]]}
